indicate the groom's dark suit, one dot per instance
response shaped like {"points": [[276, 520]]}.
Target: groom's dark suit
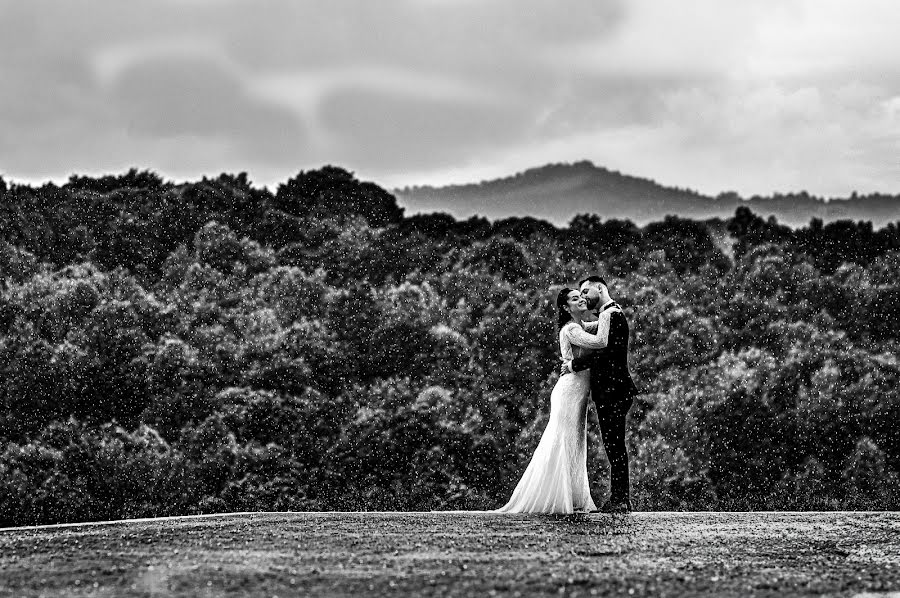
{"points": [[613, 392]]}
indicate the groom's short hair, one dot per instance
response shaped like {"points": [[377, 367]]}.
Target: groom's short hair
{"points": [[593, 279]]}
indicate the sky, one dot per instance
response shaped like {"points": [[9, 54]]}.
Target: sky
{"points": [[715, 95]]}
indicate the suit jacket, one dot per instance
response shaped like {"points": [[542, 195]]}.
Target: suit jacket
{"points": [[610, 378]]}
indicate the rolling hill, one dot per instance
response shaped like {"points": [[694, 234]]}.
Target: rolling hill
{"points": [[557, 192]]}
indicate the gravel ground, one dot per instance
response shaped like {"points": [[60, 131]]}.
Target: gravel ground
{"points": [[444, 554]]}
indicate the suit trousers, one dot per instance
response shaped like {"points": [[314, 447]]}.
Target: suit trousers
{"points": [[612, 411]]}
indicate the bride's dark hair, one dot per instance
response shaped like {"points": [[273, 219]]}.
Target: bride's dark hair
{"points": [[563, 316]]}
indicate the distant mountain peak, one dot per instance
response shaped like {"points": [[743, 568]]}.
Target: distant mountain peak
{"points": [[558, 191], [547, 172]]}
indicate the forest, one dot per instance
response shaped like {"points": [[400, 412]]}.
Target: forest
{"points": [[211, 346]]}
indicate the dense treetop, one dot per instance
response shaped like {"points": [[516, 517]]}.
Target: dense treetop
{"points": [[178, 348]]}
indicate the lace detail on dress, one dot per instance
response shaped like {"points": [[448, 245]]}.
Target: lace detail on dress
{"points": [[575, 341]]}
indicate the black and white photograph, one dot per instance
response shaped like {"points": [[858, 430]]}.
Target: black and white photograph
{"points": [[507, 298]]}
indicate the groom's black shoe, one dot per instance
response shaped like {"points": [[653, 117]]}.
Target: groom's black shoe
{"points": [[617, 507]]}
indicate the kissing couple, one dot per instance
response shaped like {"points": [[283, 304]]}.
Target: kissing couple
{"points": [[593, 344]]}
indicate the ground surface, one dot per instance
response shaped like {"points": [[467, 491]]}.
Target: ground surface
{"points": [[440, 554]]}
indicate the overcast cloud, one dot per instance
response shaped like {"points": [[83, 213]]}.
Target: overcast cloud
{"points": [[770, 95]]}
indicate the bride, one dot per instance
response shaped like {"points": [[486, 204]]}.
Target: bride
{"points": [[556, 479]]}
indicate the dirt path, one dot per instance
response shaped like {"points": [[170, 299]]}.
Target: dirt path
{"points": [[439, 554]]}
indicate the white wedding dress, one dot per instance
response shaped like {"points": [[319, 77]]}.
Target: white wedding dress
{"points": [[556, 478]]}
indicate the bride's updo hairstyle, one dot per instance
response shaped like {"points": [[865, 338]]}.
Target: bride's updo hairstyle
{"points": [[563, 316]]}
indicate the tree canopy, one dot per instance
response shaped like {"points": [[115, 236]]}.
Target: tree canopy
{"points": [[184, 348]]}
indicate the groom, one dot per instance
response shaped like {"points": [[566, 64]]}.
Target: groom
{"points": [[612, 389]]}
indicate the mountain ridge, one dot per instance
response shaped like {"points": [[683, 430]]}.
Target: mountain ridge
{"points": [[558, 191]]}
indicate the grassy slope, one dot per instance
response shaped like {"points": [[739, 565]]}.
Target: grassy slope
{"points": [[357, 554]]}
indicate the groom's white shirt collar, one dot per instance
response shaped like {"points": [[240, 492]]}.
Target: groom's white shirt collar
{"points": [[602, 307]]}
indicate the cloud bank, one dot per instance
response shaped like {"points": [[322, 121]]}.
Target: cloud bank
{"points": [[709, 94]]}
